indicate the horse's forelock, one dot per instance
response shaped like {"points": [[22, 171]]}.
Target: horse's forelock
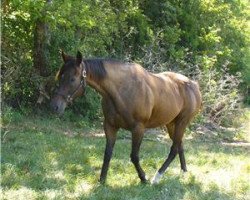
{"points": [[69, 64]]}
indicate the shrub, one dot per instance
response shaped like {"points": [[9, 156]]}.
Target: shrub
{"points": [[206, 40]]}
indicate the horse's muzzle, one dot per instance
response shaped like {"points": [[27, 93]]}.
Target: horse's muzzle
{"points": [[58, 105]]}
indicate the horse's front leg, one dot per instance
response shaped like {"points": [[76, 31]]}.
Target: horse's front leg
{"points": [[137, 135], [110, 133]]}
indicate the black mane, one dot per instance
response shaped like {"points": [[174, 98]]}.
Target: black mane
{"points": [[95, 69]]}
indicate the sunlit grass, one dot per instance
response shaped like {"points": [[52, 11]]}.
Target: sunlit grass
{"points": [[39, 161]]}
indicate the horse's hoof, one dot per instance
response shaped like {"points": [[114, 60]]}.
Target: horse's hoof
{"points": [[156, 179]]}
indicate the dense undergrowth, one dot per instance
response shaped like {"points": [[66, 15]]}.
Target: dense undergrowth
{"points": [[205, 40]]}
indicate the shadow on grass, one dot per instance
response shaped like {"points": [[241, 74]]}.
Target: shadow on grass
{"points": [[173, 188], [34, 159], [41, 161], [198, 143]]}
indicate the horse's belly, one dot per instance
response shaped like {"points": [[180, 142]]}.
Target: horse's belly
{"points": [[159, 121], [162, 116]]}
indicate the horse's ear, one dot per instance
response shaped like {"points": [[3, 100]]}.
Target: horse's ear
{"points": [[64, 56], [78, 58], [57, 75]]}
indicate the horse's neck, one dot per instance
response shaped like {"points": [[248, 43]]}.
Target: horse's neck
{"points": [[95, 85]]}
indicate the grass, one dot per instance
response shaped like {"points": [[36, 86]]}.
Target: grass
{"points": [[50, 158]]}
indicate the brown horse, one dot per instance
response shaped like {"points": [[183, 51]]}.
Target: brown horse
{"points": [[133, 99]]}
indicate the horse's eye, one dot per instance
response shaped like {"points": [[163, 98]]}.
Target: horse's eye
{"points": [[72, 80]]}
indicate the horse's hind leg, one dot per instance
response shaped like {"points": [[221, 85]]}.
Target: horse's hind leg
{"points": [[176, 131], [137, 135], [171, 128], [182, 157]]}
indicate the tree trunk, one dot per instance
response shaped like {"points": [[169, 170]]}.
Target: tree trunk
{"points": [[41, 43], [5, 6]]}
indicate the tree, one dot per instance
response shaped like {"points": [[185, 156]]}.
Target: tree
{"points": [[41, 42]]}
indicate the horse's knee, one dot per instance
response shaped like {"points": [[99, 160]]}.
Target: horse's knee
{"points": [[174, 150], [180, 148], [134, 158]]}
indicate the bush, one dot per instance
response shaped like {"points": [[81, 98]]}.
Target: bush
{"points": [[89, 106], [222, 98], [202, 39]]}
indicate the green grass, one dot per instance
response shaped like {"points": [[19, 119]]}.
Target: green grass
{"points": [[48, 158]]}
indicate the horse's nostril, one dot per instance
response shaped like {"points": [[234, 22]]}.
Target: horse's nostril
{"points": [[56, 108]]}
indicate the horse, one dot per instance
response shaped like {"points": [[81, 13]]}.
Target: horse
{"points": [[132, 99]]}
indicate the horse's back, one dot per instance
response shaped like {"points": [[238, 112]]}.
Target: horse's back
{"points": [[152, 99], [190, 92]]}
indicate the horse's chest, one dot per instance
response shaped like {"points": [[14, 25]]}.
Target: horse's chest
{"points": [[112, 115]]}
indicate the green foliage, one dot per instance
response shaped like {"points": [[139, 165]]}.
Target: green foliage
{"points": [[161, 35]]}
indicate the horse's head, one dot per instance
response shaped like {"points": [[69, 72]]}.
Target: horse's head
{"points": [[71, 79]]}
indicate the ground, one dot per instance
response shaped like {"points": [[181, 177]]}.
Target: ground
{"points": [[51, 158]]}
